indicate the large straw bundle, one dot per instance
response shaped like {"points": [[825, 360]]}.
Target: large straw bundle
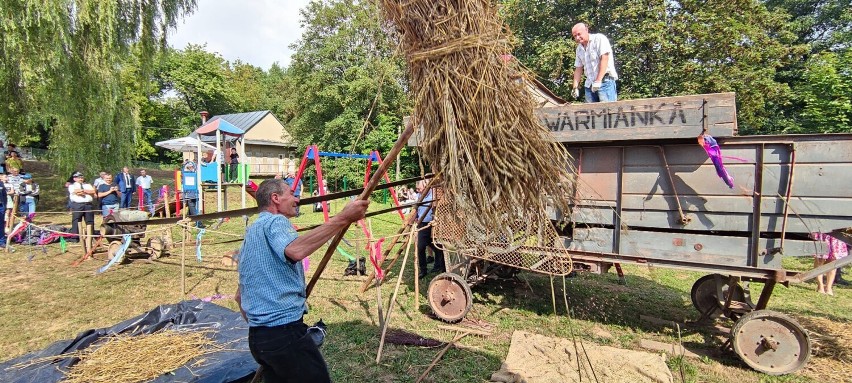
{"points": [[496, 161]]}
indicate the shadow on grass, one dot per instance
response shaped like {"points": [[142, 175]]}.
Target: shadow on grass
{"points": [[350, 352]]}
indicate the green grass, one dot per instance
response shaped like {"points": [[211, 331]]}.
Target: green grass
{"points": [[46, 300]]}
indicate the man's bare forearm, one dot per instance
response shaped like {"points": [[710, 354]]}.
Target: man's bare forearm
{"points": [[602, 68], [305, 245], [578, 73]]}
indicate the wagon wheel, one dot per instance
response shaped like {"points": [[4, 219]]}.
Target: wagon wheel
{"points": [[168, 243], [156, 247], [704, 295], [112, 249], [449, 297], [771, 342]]}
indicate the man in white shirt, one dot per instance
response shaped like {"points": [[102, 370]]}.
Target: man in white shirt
{"points": [[596, 59], [81, 195], [100, 180], [144, 181]]}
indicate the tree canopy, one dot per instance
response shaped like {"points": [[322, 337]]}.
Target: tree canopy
{"points": [[95, 81], [347, 87], [61, 67]]}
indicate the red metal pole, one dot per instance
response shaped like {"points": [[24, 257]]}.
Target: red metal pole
{"points": [[141, 197], [321, 184]]}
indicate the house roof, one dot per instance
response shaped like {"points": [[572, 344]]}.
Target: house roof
{"points": [[269, 143], [244, 121], [221, 125]]}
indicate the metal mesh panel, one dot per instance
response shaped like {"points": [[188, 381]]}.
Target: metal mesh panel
{"points": [[526, 240]]}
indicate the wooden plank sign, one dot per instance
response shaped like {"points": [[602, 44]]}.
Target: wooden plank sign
{"points": [[643, 119]]}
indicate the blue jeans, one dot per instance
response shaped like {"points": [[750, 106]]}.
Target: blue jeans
{"points": [[105, 209], [146, 199], [607, 92], [28, 205]]}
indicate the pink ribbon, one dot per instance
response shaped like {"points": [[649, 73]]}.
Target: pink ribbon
{"points": [[376, 257]]}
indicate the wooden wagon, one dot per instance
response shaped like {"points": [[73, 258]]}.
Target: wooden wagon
{"points": [[126, 222], [647, 193]]}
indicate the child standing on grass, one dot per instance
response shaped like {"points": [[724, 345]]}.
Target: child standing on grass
{"points": [[833, 249]]}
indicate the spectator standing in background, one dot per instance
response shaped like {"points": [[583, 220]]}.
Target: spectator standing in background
{"points": [[100, 180], [108, 195], [2, 157], [14, 161], [144, 181], [3, 201], [424, 233], [81, 195], [29, 192], [125, 187], [235, 161]]}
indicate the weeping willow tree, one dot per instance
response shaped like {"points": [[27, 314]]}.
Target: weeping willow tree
{"points": [[61, 68]]}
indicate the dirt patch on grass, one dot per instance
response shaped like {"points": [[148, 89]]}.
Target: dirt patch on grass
{"points": [[537, 358]]}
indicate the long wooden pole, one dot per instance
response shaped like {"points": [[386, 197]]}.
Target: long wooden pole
{"points": [[368, 189], [393, 298], [412, 221], [438, 357], [183, 263], [11, 223]]}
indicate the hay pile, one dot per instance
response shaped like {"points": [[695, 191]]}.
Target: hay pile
{"points": [[140, 358], [481, 137]]}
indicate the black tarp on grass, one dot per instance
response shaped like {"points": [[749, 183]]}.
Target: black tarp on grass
{"points": [[235, 364]]}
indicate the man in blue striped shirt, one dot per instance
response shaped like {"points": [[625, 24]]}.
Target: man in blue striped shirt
{"points": [[272, 294], [424, 233]]}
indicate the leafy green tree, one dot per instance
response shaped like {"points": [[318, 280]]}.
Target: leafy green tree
{"points": [[666, 48], [826, 93], [825, 28], [248, 83], [822, 24], [345, 87], [200, 79], [60, 70]]}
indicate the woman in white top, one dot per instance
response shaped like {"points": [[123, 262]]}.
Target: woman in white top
{"points": [[81, 195]]}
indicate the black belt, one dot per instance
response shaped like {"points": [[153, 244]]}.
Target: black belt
{"points": [[295, 323]]}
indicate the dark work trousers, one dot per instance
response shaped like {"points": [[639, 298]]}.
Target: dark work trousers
{"points": [[81, 211], [192, 209], [287, 354], [126, 198], [232, 176], [424, 240]]}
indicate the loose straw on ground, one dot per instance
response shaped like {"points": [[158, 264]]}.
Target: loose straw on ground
{"points": [[140, 358]]}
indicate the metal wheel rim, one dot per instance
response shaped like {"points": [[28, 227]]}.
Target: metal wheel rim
{"points": [[156, 245], [449, 297], [755, 335], [703, 295], [113, 249]]}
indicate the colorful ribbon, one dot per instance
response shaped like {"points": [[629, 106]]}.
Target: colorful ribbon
{"points": [[119, 255], [711, 147], [376, 258], [198, 244]]}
